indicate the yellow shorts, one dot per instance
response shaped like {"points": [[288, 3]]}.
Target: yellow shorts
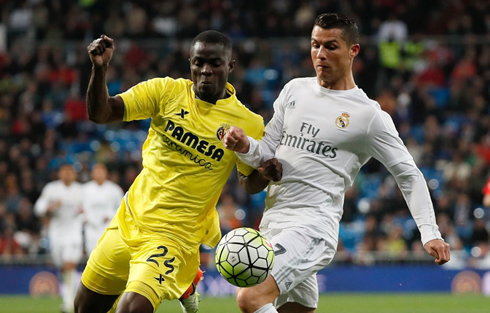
{"points": [[151, 264]]}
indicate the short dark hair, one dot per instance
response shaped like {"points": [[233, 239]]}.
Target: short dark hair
{"points": [[350, 32], [213, 36]]}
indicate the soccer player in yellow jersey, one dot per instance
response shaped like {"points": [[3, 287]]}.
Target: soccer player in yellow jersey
{"points": [[150, 252]]}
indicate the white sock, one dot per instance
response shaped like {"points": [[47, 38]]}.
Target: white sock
{"points": [[268, 308], [69, 289]]}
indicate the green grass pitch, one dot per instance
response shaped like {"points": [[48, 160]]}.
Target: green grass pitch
{"points": [[329, 303]]}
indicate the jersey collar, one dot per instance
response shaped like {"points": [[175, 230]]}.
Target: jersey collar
{"points": [[335, 92]]}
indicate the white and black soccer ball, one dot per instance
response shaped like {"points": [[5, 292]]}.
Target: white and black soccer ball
{"points": [[244, 257]]}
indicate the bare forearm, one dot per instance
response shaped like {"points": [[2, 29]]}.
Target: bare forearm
{"points": [[254, 183], [98, 107]]}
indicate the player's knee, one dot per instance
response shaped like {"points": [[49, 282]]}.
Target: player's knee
{"points": [[247, 301], [87, 301]]}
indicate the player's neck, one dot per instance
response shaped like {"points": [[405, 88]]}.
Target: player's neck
{"points": [[345, 83], [224, 95]]}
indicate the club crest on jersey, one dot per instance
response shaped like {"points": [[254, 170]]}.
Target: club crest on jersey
{"points": [[220, 133], [343, 120]]}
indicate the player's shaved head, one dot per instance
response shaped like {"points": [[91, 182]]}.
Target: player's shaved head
{"points": [[214, 37]]}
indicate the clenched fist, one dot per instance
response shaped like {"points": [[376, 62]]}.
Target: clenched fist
{"points": [[236, 140], [100, 51], [439, 250]]}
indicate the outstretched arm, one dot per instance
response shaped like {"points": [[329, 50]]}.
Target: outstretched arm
{"points": [[101, 107], [249, 150], [236, 140], [415, 191]]}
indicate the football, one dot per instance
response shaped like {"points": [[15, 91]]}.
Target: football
{"points": [[244, 257]]}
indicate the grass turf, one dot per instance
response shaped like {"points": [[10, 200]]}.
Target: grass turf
{"points": [[329, 303]]}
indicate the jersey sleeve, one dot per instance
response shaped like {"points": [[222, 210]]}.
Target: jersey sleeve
{"points": [[383, 142], [41, 205], [414, 189], [242, 167], [143, 100], [86, 205]]}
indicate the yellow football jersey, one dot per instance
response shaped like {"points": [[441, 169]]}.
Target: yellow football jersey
{"points": [[185, 164]]}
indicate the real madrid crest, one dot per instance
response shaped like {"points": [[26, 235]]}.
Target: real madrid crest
{"points": [[343, 120]]}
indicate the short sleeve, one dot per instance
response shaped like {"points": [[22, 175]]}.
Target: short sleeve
{"points": [[143, 100]]}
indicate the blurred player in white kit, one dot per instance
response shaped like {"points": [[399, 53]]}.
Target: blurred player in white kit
{"points": [[101, 199], [61, 204]]}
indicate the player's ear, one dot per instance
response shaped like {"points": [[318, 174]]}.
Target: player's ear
{"points": [[231, 65], [354, 49]]}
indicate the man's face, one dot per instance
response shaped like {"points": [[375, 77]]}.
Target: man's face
{"points": [[99, 173], [210, 67], [332, 57], [67, 174]]}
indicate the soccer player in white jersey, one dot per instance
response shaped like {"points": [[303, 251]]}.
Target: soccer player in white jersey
{"points": [[61, 203], [101, 200], [323, 130]]}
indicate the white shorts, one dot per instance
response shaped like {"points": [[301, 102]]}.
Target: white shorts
{"points": [[298, 257], [65, 252], [92, 237]]}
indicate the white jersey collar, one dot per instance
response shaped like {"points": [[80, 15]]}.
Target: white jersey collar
{"points": [[336, 92]]}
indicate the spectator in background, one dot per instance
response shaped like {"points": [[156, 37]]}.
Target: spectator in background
{"points": [[480, 256], [28, 227], [479, 233], [395, 244], [60, 206], [101, 198], [9, 246], [230, 214], [486, 194]]}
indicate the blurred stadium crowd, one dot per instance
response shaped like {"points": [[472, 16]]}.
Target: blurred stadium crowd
{"points": [[426, 62]]}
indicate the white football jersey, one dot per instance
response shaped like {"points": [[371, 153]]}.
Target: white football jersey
{"points": [[100, 203], [65, 223], [322, 137]]}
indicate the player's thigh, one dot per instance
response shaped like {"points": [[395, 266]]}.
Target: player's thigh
{"points": [[107, 269], [302, 298], [298, 257], [162, 269]]}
